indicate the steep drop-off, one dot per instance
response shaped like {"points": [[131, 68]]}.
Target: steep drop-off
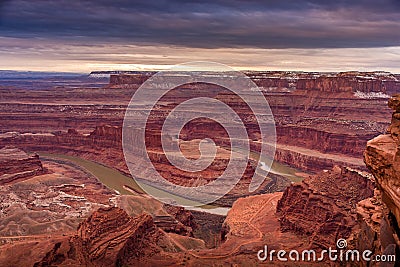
{"points": [[109, 237], [323, 206], [15, 164], [382, 216]]}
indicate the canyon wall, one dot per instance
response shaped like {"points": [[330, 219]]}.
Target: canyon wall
{"points": [[15, 164], [385, 148], [344, 203], [323, 206], [317, 111], [109, 237], [104, 145], [315, 125], [343, 84], [130, 80], [366, 82], [382, 157]]}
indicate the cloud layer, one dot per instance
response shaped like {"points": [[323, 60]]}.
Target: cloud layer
{"points": [[209, 24]]}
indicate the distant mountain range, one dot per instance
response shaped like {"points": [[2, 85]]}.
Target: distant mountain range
{"points": [[11, 74]]}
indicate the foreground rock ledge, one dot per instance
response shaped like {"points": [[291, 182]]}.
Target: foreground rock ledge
{"points": [[380, 224], [382, 157]]}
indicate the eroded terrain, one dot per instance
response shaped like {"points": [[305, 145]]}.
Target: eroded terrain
{"points": [[55, 211]]}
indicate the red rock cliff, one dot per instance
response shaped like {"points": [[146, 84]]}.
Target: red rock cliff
{"points": [[323, 206], [382, 157], [109, 237], [16, 164], [365, 82]]}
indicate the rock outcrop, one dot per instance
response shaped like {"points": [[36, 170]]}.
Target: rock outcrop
{"points": [[323, 206], [372, 221], [109, 237], [184, 217], [382, 157], [16, 164], [342, 83]]}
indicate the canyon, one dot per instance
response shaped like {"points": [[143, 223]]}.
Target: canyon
{"points": [[58, 209], [316, 128]]}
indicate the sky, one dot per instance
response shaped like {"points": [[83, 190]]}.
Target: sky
{"points": [[308, 35]]}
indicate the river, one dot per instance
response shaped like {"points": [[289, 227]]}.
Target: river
{"points": [[125, 185]]}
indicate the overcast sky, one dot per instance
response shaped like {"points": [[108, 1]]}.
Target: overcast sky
{"points": [[81, 36]]}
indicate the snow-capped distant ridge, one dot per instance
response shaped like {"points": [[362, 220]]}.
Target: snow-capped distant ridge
{"points": [[107, 74], [370, 95]]}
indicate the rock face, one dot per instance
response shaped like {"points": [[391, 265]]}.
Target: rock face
{"points": [[342, 83], [109, 237], [365, 82], [313, 161], [103, 144], [184, 217], [124, 237], [16, 164], [323, 207], [372, 220], [130, 80], [108, 132], [330, 142], [382, 157]]}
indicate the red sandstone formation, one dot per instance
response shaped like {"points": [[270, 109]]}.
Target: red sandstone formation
{"points": [[372, 221], [109, 237], [342, 84], [323, 206], [15, 164], [382, 157], [321, 209], [182, 215], [129, 80], [366, 82]]}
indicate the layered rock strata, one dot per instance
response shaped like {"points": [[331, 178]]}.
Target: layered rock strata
{"points": [[104, 145], [15, 164], [366, 82], [109, 237], [382, 157], [323, 207], [325, 106]]}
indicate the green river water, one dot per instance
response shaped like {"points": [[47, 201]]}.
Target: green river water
{"points": [[117, 180]]}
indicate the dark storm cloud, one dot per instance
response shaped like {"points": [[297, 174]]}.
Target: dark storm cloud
{"points": [[209, 24]]}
